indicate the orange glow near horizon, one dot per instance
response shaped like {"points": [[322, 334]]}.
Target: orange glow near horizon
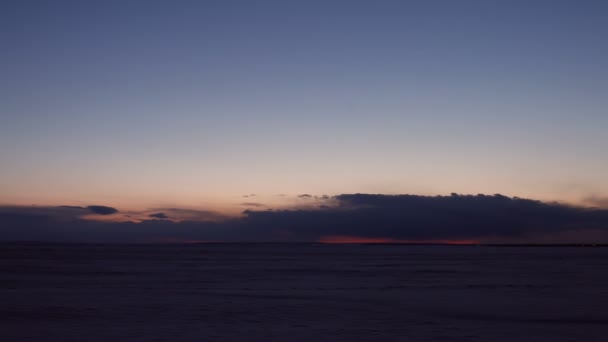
{"points": [[361, 239]]}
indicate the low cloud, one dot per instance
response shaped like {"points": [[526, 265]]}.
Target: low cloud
{"points": [[62, 212], [102, 210], [358, 217], [183, 214], [160, 216]]}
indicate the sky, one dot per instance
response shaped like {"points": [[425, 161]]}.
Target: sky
{"points": [[195, 104]]}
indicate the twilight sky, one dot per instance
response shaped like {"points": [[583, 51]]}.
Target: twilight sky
{"points": [[193, 104]]}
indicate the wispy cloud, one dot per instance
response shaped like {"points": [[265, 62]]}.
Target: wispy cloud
{"points": [[596, 201], [253, 204]]}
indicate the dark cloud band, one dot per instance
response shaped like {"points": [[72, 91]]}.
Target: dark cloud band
{"points": [[397, 217]]}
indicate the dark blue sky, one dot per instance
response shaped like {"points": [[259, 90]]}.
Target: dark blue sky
{"points": [[194, 103]]}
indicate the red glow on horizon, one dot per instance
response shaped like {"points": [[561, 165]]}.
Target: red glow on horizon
{"points": [[361, 239], [171, 240]]}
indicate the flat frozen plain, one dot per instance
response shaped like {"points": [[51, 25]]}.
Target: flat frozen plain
{"points": [[302, 292]]}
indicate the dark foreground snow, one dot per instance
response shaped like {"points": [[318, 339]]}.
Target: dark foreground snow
{"points": [[300, 292]]}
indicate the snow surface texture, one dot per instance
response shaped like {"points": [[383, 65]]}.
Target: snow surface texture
{"points": [[302, 292]]}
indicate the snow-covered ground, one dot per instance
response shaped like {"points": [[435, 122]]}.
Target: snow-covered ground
{"points": [[302, 292]]}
